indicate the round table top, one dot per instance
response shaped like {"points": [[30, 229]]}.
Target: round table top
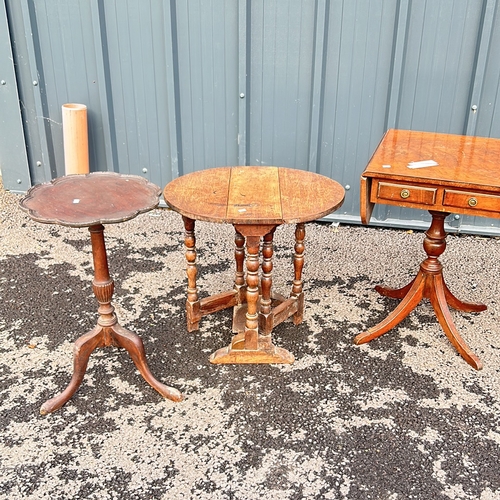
{"points": [[89, 199], [254, 195]]}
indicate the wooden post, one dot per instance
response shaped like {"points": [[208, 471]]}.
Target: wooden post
{"points": [[75, 136]]}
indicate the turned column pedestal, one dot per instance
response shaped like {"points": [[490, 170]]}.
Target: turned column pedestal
{"points": [[429, 284]]}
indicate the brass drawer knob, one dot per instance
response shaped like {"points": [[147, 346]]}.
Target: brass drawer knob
{"points": [[472, 202], [405, 193]]}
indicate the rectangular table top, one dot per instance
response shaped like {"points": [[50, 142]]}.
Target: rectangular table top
{"points": [[461, 160], [433, 171]]}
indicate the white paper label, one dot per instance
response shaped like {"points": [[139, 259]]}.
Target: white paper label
{"points": [[422, 164]]}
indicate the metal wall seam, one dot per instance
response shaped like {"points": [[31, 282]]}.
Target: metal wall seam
{"points": [[104, 83], [37, 81], [172, 86], [318, 83], [398, 51], [488, 117], [382, 212], [13, 157], [480, 66], [243, 80]]}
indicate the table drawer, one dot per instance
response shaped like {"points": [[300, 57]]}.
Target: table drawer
{"points": [[406, 193], [471, 201]]}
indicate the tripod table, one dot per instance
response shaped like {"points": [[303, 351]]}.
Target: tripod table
{"points": [[91, 200]]}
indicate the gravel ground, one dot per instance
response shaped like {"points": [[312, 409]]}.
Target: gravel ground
{"points": [[403, 417]]}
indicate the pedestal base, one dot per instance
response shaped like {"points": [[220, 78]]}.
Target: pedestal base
{"points": [[434, 288], [107, 332], [429, 283], [237, 354], [101, 336], [256, 310]]}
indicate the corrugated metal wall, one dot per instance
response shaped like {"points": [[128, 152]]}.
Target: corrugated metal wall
{"points": [[177, 86]]}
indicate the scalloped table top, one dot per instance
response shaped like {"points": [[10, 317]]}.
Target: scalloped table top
{"points": [[89, 199]]}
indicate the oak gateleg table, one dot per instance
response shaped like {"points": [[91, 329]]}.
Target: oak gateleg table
{"points": [[462, 178], [91, 200], [255, 200]]}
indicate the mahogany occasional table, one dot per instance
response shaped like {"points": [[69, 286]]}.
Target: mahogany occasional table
{"points": [[255, 200], [461, 176], [92, 200]]}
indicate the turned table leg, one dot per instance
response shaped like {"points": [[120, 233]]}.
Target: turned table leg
{"points": [[107, 332], [266, 316], [193, 303], [429, 283], [250, 345], [298, 264], [252, 315], [239, 257]]}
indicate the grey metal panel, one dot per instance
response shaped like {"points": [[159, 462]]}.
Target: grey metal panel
{"points": [[13, 157], [139, 62], [485, 95], [243, 80], [207, 59], [484, 40], [488, 112], [358, 59], [28, 79], [75, 61], [68, 72], [55, 47], [104, 128], [318, 82], [177, 86], [281, 64], [441, 66], [441, 72], [439, 62]]}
